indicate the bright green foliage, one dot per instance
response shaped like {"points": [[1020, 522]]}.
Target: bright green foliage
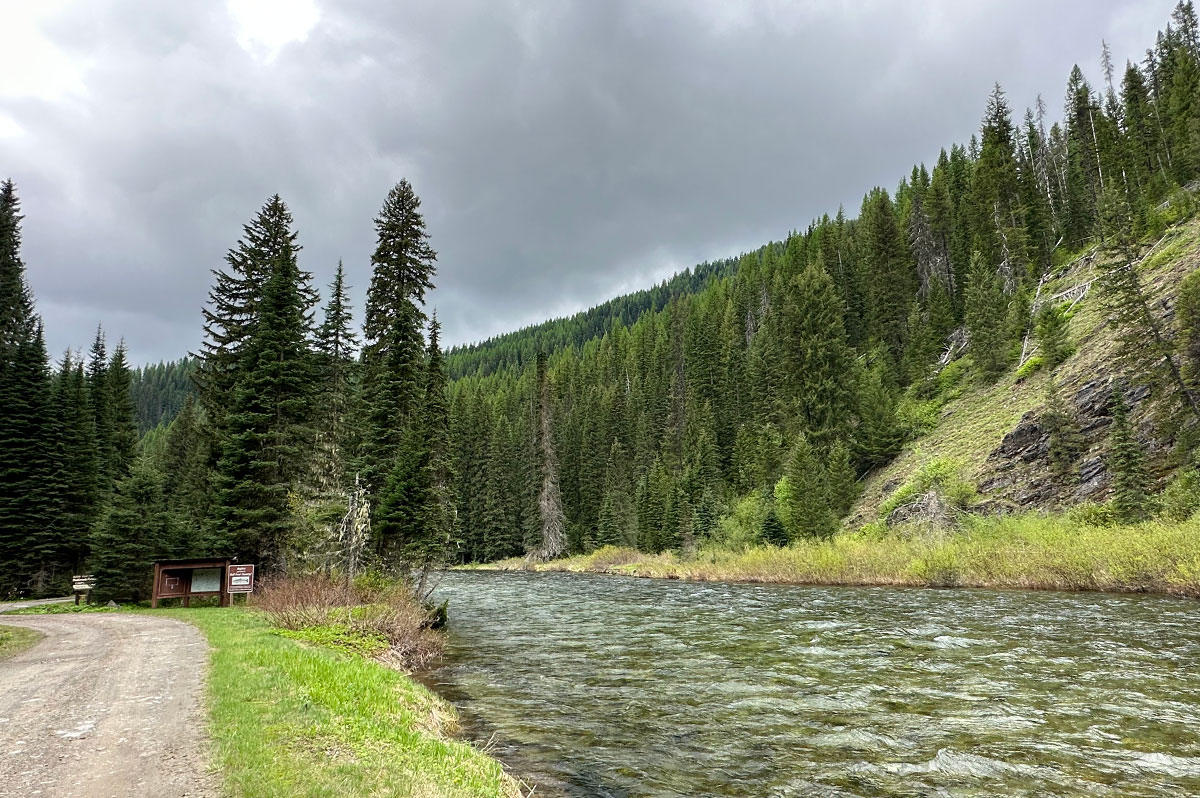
{"points": [[802, 495], [986, 317], [1051, 332], [1126, 463]]}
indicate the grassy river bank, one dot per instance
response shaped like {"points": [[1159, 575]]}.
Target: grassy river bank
{"points": [[1031, 552], [295, 719]]}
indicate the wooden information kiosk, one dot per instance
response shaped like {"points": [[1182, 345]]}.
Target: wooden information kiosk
{"points": [[188, 579]]}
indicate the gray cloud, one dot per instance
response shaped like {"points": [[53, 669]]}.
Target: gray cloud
{"points": [[563, 151]]}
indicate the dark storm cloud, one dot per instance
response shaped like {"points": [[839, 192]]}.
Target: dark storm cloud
{"points": [[563, 151]]}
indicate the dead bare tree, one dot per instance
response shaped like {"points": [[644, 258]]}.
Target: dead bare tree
{"points": [[554, 535], [354, 531]]}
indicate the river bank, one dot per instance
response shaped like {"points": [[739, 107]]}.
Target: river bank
{"points": [[295, 719], [1028, 552]]}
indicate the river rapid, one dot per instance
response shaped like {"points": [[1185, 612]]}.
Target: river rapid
{"points": [[607, 686]]}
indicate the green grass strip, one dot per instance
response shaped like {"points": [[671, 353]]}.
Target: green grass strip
{"points": [[290, 719]]}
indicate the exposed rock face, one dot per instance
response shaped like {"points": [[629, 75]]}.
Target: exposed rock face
{"points": [[1018, 470]]}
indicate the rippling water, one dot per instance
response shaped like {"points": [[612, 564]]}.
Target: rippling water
{"points": [[605, 686]]}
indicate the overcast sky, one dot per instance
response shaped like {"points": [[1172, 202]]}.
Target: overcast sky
{"points": [[564, 152]]}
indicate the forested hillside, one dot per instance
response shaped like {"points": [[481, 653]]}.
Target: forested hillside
{"points": [[519, 349], [759, 406], [1023, 310], [160, 391]]}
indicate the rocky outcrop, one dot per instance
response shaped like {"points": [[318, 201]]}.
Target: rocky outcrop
{"points": [[1018, 470]]}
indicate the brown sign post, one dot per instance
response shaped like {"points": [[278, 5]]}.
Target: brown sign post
{"points": [[239, 579], [198, 578]]}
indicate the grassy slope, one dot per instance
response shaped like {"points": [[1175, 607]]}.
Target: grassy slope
{"points": [[14, 640], [290, 719], [974, 424]]}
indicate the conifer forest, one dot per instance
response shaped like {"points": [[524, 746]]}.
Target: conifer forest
{"points": [[746, 401]]}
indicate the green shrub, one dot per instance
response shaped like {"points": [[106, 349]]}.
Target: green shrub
{"points": [[742, 526], [916, 417], [1092, 514], [1030, 367], [941, 474], [345, 638], [1181, 498]]}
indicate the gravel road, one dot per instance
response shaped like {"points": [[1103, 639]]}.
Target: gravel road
{"points": [[108, 705]]}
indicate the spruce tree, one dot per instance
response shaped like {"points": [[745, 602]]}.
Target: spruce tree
{"points": [[986, 314], [618, 515], [233, 305], [891, 281], [877, 437], [29, 469], [393, 367], [1051, 332], [817, 361], [432, 489], [80, 477], [187, 478], [100, 401], [999, 220], [268, 431], [802, 495], [772, 531], [122, 435], [1126, 463], [552, 540], [1066, 443], [337, 347], [1144, 348], [1187, 325], [136, 529], [841, 481]]}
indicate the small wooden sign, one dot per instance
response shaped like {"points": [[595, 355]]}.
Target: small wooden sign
{"points": [[240, 579], [83, 583]]}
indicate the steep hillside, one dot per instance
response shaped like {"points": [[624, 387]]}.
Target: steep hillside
{"points": [[994, 433]]}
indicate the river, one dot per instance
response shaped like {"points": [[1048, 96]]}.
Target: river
{"points": [[607, 686]]}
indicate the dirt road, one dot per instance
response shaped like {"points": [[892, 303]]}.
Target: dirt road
{"points": [[108, 705]]}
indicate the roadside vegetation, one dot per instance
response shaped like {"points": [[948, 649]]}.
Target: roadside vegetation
{"points": [[293, 719], [15, 639], [369, 616]]}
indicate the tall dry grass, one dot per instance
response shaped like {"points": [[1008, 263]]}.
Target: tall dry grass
{"points": [[389, 613], [1028, 551]]}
